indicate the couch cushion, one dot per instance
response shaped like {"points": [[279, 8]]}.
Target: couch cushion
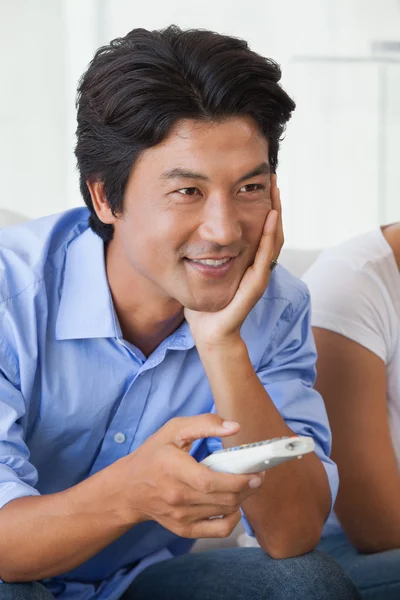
{"points": [[297, 261], [8, 218]]}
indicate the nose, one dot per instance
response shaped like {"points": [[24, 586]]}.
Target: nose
{"points": [[221, 223]]}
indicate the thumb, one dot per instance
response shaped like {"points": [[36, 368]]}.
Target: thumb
{"points": [[185, 430]]}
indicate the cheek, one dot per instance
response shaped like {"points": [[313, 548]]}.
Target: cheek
{"points": [[254, 224], [171, 230], [153, 241]]}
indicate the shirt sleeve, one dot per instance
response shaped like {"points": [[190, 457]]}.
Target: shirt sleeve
{"points": [[17, 475], [352, 302], [288, 375]]}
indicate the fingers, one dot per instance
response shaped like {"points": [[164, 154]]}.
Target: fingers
{"points": [[213, 528], [275, 195], [218, 528], [180, 493], [182, 431], [184, 495], [183, 506], [194, 514], [266, 249], [209, 482], [272, 237], [270, 228], [229, 500], [276, 205]]}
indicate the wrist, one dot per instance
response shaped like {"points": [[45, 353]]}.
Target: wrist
{"points": [[116, 497], [232, 343], [228, 350], [131, 499]]}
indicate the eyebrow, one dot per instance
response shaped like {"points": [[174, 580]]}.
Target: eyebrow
{"points": [[178, 173], [262, 169]]}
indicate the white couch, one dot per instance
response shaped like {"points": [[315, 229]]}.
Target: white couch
{"points": [[8, 218]]}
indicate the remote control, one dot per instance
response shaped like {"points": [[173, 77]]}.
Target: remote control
{"points": [[253, 458]]}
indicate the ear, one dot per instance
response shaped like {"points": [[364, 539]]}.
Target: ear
{"points": [[100, 203]]}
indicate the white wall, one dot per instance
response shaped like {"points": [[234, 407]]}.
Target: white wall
{"points": [[32, 128], [338, 171]]}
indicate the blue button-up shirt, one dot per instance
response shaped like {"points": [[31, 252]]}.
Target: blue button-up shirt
{"points": [[75, 396]]}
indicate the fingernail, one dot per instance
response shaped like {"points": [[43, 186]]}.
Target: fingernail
{"points": [[230, 424], [255, 483]]}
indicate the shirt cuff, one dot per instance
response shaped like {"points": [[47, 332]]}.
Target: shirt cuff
{"points": [[15, 489]]}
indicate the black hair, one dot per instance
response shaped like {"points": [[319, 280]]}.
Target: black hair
{"points": [[137, 87]]}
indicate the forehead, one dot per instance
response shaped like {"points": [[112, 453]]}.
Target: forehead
{"points": [[236, 142], [192, 131]]}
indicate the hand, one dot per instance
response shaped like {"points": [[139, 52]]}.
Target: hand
{"points": [[220, 327], [167, 485]]}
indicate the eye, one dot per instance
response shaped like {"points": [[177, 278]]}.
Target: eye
{"points": [[189, 191], [252, 187]]}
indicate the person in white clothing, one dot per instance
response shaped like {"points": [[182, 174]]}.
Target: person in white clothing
{"points": [[355, 294]]}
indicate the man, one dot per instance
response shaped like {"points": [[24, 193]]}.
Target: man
{"points": [[133, 348]]}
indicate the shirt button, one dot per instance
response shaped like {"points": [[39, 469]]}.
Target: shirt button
{"points": [[119, 438]]}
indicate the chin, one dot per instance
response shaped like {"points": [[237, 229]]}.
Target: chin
{"points": [[209, 304]]}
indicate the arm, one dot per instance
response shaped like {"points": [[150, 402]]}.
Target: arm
{"points": [[43, 536], [288, 512], [352, 381]]}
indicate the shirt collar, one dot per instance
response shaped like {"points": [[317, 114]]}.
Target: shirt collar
{"points": [[86, 309], [182, 339]]}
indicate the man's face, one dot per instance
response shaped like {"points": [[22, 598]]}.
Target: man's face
{"points": [[194, 210]]}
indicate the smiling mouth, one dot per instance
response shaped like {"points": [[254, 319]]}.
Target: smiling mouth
{"points": [[211, 262]]}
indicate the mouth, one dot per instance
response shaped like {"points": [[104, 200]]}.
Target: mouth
{"points": [[211, 267], [212, 262]]}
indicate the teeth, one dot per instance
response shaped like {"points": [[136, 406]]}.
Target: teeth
{"points": [[212, 263]]}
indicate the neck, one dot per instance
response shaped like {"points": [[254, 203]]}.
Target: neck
{"points": [[144, 331], [146, 316]]}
